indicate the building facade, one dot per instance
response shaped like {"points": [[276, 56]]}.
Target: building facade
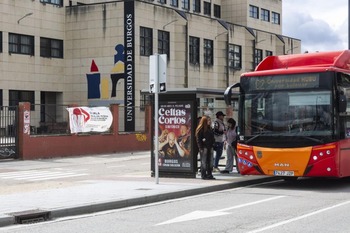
{"points": [[95, 52]]}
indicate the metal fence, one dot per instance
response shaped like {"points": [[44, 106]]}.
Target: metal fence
{"points": [[8, 132], [46, 119], [51, 119], [140, 116]]}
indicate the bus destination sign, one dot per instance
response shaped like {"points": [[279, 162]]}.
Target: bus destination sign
{"points": [[301, 81]]}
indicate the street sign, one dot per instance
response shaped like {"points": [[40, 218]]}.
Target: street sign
{"points": [[162, 72], [153, 73]]}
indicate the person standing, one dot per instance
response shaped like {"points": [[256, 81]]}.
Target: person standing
{"points": [[219, 132], [205, 142], [231, 145]]}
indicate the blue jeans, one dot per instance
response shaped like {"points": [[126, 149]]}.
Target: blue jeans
{"points": [[218, 148]]}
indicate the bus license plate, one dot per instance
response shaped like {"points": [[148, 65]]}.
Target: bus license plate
{"points": [[283, 173]]}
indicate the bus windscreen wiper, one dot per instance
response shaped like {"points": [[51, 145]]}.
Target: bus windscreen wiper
{"points": [[252, 138], [312, 139]]}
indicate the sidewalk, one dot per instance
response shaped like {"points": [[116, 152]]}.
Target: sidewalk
{"points": [[83, 194]]}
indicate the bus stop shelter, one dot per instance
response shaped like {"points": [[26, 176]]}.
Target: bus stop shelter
{"points": [[178, 113]]}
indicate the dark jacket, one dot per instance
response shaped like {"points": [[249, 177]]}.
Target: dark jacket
{"points": [[205, 139]]}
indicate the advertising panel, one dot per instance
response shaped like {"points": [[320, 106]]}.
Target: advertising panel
{"points": [[175, 141]]}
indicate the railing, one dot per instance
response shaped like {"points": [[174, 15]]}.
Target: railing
{"points": [[52, 119], [8, 121], [140, 116], [49, 119]]}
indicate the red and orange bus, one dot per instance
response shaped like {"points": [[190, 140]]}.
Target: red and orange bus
{"points": [[293, 118]]}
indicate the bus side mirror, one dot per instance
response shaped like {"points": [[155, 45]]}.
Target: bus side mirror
{"points": [[228, 93], [342, 102]]}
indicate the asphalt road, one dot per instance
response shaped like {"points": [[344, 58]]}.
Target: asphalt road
{"points": [[307, 205]]}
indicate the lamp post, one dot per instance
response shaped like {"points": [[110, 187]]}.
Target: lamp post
{"points": [[26, 15]]}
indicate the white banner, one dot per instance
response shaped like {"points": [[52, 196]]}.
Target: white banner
{"points": [[85, 119]]}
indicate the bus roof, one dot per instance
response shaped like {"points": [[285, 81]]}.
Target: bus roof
{"points": [[307, 62]]}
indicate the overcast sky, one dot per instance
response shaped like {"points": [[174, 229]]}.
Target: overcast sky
{"points": [[321, 25]]}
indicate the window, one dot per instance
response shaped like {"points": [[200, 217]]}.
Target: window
{"points": [[164, 43], [197, 6], [268, 53], [207, 8], [186, 4], [0, 42], [253, 12], [194, 50], [162, 1], [174, 3], [51, 48], [235, 56], [276, 18], [144, 101], [54, 2], [21, 96], [21, 44], [209, 102], [343, 81], [258, 56], [208, 52], [146, 45], [217, 11], [265, 15]]}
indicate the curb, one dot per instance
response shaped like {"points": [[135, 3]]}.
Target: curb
{"points": [[6, 221]]}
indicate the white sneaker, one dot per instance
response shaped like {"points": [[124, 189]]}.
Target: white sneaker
{"points": [[235, 171]]}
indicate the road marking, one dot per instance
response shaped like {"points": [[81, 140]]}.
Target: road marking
{"points": [[208, 214], [299, 217], [38, 175], [58, 177]]}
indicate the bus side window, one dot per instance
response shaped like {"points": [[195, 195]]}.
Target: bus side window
{"points": [[343, 81], [344, 87], [347, 127]]}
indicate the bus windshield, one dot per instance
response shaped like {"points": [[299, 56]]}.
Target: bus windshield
{"points": [[301, 114]]}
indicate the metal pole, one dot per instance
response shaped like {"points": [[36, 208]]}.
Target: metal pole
{"points": [[156, 143], [156, 122]]}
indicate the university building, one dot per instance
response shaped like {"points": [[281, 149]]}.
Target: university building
{"points": [[97, 53]]}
